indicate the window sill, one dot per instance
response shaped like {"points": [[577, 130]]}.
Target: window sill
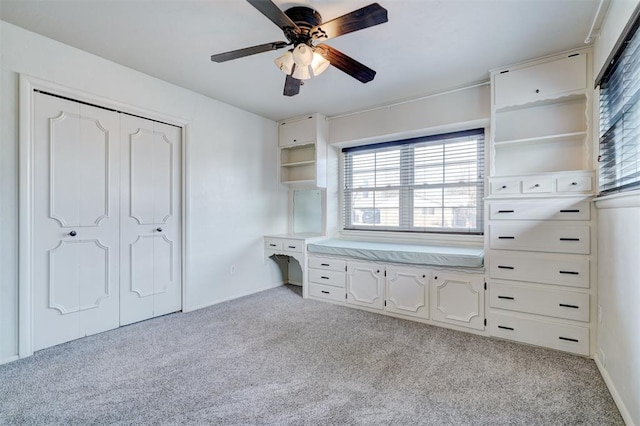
{"points": [[620, 200]]}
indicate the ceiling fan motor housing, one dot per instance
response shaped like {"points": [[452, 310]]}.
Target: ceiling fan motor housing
{"points": [[305, 18]]}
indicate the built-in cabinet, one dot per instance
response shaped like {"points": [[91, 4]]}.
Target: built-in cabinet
{"points": [[539, 232], [303, 151], [412, 292]]}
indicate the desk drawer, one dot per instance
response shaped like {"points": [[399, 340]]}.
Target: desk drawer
{"points": [[272, 244], [327, 264], [327, 292], [332, 278], [536, 236], [559, 304], [570, 338], [293, 245], [556, 269]]}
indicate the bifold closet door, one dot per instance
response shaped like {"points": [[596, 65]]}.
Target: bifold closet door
{"points": [[150, 240], [76, 208]]}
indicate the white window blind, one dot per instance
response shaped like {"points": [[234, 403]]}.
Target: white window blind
{"points": [[428, 184], [619, 160]]}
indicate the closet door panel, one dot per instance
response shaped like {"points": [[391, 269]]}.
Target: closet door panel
{"points": [[76, 208], [150, 220]]}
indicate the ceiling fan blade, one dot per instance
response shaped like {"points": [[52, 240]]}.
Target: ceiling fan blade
{"points": [[291, 86], [273, 12], [247, 51], [366, 17], [347, 64]]}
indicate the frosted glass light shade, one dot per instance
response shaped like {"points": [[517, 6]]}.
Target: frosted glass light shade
{"points": [[319, 64], [285, 62], [302, 55], [301, 73]]}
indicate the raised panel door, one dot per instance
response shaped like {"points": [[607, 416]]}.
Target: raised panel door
{"points": [[365, 284], [458, 299], [150, 276], [408, 291], [76, 205]]}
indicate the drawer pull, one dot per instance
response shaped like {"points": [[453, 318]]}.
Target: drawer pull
{"points": [[506, 238], [574, 183], [568, 339], [324, 264], [569, 272], [506, 211], [506, 297], [505, 267], [505, 328], [325, 278], [569, 239], [504, 187], [570, 211], [569, 306], [324, 292], [292, 246], [536, 185], [272, 245]]}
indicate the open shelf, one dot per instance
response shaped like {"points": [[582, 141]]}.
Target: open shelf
{"points": [[298, 163], [563, 137], [569, 97]]}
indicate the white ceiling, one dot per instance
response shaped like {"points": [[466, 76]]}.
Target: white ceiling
{"points": [[426, 47]]}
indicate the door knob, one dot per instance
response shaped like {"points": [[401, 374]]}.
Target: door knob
{"points": [[73, 233], [159, 229]]}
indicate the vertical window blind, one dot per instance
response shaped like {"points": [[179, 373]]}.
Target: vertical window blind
{"points": [[428, 184], [619, 159]]}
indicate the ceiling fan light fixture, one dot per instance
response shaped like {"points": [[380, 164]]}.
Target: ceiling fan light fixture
{"points": [[319, 64], [285, 62], [302, 55], [301, 73]]}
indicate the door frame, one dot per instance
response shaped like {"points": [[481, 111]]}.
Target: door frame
{"points": [[27, 85]]}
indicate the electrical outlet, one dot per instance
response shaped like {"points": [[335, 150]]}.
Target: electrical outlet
{"points": [[232, 270]]}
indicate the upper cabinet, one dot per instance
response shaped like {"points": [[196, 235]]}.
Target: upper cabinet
{"points": [[541, 116], [303, 151], [544, 81]]}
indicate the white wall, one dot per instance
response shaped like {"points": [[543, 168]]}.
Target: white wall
{"points": [[618, 345], [234, 196]]}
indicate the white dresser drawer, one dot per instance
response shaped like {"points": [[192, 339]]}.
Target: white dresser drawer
{"points": [[328, 264], [506, 186], [543, 268], [570, 338], [332, 278], [554, 209], [273, 244], [536, 236], [574, 184], [327, 292], [293, 245], [559, 304], [537, 185]]}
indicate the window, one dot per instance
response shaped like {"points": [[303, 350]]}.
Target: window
{"points": [[619, 159], [428, 184]]}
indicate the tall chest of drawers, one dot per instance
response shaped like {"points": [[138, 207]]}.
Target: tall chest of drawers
{"points": [[540, 262]]}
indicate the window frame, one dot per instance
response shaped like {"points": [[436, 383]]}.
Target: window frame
{"points": [[407, 187]]}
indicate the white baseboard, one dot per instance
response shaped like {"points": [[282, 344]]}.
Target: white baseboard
{"points": [[626, 416], [236, 296], [9, 359]]}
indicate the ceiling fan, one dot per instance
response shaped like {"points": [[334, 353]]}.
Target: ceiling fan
{"points": [[302, 27]]}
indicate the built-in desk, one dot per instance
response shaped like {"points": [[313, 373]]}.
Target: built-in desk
{"points": [[294, 246]]}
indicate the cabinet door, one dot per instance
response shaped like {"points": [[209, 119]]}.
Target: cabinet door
{"points": [[458, 299], [297, 132], [408, 291], [543, 81], [365, 284]]}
